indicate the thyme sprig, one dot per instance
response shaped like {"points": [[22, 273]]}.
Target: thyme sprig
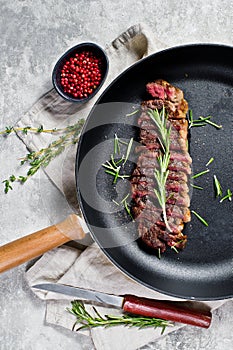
{"points": [[88, 321], [11, 129], [161, 173], [43, 157]]}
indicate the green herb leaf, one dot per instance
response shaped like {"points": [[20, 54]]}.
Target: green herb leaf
{"points": [[174, 248], [128, 150], [200, 218], [218, 187], [43, 157], [197, 187], [211, 123], [228, 196], [40, 129], [200, 174], [134, 112], [210, 161], [116, 145]]}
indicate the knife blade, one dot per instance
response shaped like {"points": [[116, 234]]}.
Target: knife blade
{"points": [[171, 311]]}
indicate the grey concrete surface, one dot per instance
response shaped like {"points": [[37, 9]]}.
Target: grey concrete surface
{"points": [[33, 35]]}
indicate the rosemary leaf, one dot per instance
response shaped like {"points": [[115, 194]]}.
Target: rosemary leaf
{"points": [[193, 125], [200, 218], [190, 116], [228, 196], [210, 161], [200, 174], [218, 187], [159, 253], [134, 112], [211, 123], [43, 157], [174, 248], [197, 187], [126, 206], [124, 199], [128, 150], [116, 145]]}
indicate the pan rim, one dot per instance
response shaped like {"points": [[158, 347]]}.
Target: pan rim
{"points": [[118, 265]]}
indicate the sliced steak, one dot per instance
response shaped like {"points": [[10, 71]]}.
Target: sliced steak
{"points": [[145, 208]]}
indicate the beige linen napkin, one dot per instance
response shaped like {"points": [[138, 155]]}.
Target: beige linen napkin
{"points": [[89, 268]]}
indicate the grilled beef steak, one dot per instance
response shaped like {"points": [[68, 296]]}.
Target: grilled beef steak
{"points": [[146, 209]]}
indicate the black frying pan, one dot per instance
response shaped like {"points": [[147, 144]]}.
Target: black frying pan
{"points": [[204, 270]]}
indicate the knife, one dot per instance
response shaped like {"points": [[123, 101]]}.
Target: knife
{"points": [[172, 311]]}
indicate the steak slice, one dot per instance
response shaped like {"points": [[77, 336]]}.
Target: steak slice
{"points": [[145, 208]]}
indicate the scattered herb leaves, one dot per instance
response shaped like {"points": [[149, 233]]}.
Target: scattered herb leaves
{"points": [[201, 121]]}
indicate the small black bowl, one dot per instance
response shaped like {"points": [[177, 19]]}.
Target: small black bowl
{"points": [[56, 75]]}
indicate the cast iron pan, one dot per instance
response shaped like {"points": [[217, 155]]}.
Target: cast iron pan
{"points": [[203, 271]]}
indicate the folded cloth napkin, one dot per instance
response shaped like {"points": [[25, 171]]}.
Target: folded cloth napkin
{"points": [[89, 268]]}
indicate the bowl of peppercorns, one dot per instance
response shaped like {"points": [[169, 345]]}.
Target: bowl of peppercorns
{"points": [[80, 72]]}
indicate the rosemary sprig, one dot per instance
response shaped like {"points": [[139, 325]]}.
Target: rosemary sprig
{"points": [[96, 320], [228, 196], [160, 119], [161, 174], [218, 187], [200, 218], [200, 174], [43, 157]]}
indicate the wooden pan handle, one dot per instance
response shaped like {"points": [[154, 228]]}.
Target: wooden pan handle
{"points": [[31, 246]]}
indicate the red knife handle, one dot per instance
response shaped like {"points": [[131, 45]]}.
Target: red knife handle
{"points": [[166, 310]]}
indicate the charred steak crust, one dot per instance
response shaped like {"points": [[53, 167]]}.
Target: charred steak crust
{"points": [[145, 207]]}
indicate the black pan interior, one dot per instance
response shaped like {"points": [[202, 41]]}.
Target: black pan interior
{"points": [[203, 271]]}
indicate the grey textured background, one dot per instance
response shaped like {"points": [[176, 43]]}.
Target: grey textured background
{"points": [[33, 35]]}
